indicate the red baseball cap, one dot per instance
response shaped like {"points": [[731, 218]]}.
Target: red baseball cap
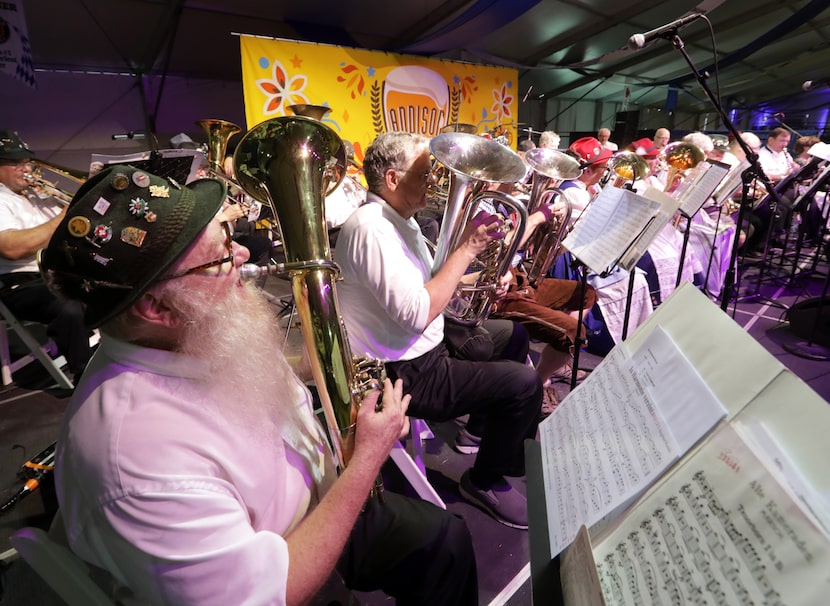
{"points": [[590, 151], [645, 147]]}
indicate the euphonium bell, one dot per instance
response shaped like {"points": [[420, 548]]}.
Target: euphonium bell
{"points": [[474, 162], [680, 156], [628, 167]]}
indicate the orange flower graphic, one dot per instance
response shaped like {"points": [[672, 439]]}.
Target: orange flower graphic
{"points": [[282, 90]]}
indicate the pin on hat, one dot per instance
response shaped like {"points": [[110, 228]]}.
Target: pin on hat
{"points": [[109, 249], [12, 147], [590, 151]]}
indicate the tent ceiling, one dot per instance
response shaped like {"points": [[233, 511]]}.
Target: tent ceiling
{"points": [[562, 48]]}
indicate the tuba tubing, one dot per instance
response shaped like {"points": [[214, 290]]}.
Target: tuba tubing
{"points": [[290, 162]]}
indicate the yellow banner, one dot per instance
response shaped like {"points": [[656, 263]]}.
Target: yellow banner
{"points": [[371, 92]]}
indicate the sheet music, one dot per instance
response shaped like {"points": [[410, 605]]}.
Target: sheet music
{"points": [[720, 530], [668, 206], [617, 432], [695, 190], [730, 185], [608, 226]]}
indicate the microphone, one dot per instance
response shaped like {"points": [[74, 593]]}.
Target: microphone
{"points": [[638, 41], [811, 84]]}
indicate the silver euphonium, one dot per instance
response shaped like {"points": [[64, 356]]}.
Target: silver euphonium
{"points": [[292, 162], [474, 162], [550, 167]]}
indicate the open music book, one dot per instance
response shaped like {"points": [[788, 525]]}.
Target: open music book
{"points": [[609, 226], [740, 511]]}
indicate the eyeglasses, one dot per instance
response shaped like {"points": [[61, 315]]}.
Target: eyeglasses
{"points": [[200, 268], [425, 175]]}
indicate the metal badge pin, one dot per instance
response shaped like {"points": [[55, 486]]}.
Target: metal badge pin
{"points": [[141, 179], [138, 207], [100, 259], [103, 233], [120, 181], [102, 206], [78, 226], [150, 217], [159, 191], [133, 236]]}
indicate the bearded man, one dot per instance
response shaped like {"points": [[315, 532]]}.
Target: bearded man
{"points": [[185, 480]]}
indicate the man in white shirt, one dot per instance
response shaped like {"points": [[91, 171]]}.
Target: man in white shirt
{"points": [[603, 136], [189, 480], [26, 224], [392, 303]]}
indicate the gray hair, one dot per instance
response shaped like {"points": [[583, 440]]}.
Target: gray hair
{"points": [[549, 139], [393, 150]]}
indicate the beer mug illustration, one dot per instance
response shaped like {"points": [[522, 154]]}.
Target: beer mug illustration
{"points": [[415, 100]]}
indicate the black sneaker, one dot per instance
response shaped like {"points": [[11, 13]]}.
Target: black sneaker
{"points": [[506, 504]]}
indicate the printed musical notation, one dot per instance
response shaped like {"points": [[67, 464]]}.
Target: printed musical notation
{"points": [[608, 226], [604, 447], [720, 530], [618, 431]]}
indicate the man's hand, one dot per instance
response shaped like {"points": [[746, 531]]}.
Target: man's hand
{"points": [[378, 430], [478, 233]]}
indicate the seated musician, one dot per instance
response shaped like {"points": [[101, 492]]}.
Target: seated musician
{"points": [[607, 318], [26, 224], [392, 304], [549, 311], [189, 485]]}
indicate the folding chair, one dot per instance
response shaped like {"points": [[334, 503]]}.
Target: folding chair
{"points": [[43, 353], [63, 571], [412, 465]]}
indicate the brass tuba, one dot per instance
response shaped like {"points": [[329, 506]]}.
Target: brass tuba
{"points": [[291, 161], [474, 162], [550, 168], [219, 133]]}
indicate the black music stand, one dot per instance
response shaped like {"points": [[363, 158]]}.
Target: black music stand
{"points": [[809, 349]]}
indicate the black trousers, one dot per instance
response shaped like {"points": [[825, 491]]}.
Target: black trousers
{"points": [[503, 398], [28, 298], [413, 551]]}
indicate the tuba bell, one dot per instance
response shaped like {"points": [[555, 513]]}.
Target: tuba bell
{"points": [[550, 167], [291, 162], [219, 133], [473, 163]]}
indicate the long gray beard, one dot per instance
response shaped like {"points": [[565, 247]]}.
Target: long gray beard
{"points": [[238, 337]]}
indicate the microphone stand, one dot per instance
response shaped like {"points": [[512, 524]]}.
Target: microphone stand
{"points": [[754, 169]]}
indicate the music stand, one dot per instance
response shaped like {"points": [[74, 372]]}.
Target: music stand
{"points": [[808, 349]]}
